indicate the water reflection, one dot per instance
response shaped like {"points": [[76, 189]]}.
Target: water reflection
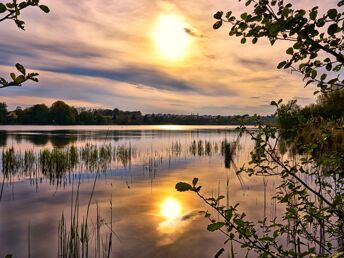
{"points": [[171, 209], [3, 138], [150, 217]]}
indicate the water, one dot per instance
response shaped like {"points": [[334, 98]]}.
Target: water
{"points": [[135, 196]]}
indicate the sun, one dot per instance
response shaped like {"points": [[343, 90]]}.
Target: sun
{"points": [[170, 37], [170, 209]]}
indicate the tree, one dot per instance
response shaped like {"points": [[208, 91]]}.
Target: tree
{"points": [[3, 113], [12, 11], [37, 114], [62, 114], [313, 217], [316, 41]]}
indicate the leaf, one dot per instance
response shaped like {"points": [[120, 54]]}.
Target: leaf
{"points": [[20, 24], [218, 254], [20, 79], [332, 13], [243, 41], [273, 103], [228, 215], [215, 226], [218, 15], [276, 28], [194, 181], [13, 76], [281, 65], [290, 51], [21, 68], [183, 187], [2, 8], [217, 25], [254, 40], [44, 8], [313, 14], [243, 16], [332, 29]]}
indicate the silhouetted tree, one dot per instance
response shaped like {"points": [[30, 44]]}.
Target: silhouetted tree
{"points": [[62, 114]]}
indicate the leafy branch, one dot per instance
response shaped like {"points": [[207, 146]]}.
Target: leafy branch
{"points": [[317, 40], [12, 11]]}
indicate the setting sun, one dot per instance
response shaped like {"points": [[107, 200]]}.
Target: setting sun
{"points": [[170, 209], [170, 37]]}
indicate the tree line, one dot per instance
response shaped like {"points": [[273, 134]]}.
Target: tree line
{"points": [[60, 113]]}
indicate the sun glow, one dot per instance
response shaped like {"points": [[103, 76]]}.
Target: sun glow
{"points": [[171, 209], [170, 37]]}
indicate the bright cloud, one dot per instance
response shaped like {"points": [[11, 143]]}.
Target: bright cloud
{"points": [[102, 54]]}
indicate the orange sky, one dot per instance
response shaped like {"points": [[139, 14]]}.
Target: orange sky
{"points": [[105, 54]]}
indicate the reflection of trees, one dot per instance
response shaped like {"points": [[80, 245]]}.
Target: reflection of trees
{"points": [[3, 138], [38, 139], [60, 141]]}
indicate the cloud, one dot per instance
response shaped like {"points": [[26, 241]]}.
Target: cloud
{"points": [[193, 33], [92, 53]]}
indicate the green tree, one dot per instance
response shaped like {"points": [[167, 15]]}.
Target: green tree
{"points": [[12, 11], [62, 114], [37, 114]]}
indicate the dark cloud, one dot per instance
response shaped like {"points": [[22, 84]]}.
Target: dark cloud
{"points": [[142, 76], [254, 63], [193, 33], [35, 49]]}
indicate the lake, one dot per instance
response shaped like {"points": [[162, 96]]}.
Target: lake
{"points": [[122, 179]]}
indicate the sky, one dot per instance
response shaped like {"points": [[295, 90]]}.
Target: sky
{"points": [[126, 54]]}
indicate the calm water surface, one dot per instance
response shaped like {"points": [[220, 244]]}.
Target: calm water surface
{"points": [[134, 195]]}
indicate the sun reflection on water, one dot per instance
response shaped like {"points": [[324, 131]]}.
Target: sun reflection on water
{"points": [[171, 209]]}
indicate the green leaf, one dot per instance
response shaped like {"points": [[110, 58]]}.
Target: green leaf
{"points": [[183, 187], [217, 25], [218, 15], [194, 181], [243, 16], [314, 74], [44, 8], [13, 76], [332, 13], [2, 8], [20, 79], [332, 29], [243, 41], [21, 68], [276, 28], [215, 226], [228, 14], [290, 51], [281, 65], [313, 14], [20, 24], [254, 40], [228, 215]]}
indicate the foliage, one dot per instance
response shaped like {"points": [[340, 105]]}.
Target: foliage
{"points": [[61, 113], [314, 212], [12, 11], [315, 37], [311, 189]]}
